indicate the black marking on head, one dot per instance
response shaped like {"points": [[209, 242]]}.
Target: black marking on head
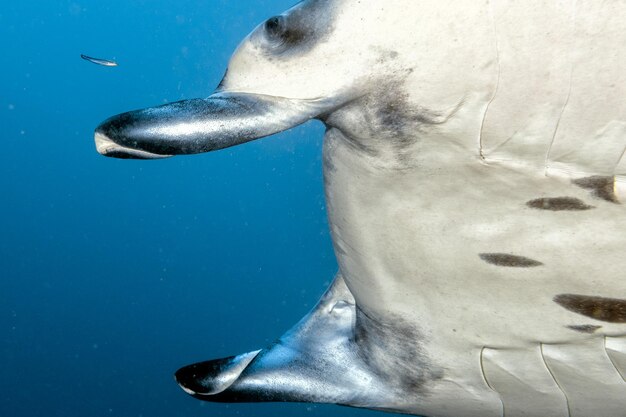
{"points": [[274, 26], [506, 259], [393, 351], [612, 310], [600, 187], [584, 328], [559, 204], [298, 30], [277, 30]]}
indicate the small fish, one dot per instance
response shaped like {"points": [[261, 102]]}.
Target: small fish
{"points": [[103, 62]]}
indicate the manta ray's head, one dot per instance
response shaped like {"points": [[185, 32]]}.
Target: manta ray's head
{"points": [[327, 59], [292, 68]]}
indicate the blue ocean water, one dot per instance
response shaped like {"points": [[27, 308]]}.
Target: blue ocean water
{"points": [[115, 273]]}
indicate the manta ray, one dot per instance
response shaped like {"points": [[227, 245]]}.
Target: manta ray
{"points": [[474, 170]]}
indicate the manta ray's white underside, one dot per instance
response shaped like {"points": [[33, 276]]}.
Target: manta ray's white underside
{"points": [[475, 173]]}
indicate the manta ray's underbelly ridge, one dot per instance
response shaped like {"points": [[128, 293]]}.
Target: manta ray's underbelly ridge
{"points": [[514, 278], [560, 379]]}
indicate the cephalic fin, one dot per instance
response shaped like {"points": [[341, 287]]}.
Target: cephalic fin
{"points": [[318, 361]]}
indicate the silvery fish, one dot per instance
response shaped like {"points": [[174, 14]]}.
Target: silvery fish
{"points": [[99, 61]]}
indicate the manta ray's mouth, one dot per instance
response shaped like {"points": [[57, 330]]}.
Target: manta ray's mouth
{"points": [[107, 147]]}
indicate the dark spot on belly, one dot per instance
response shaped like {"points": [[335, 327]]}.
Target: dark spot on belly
{"points": [[559, 204], [584, 328], [600, 187], [506, 259], [612, 310]]}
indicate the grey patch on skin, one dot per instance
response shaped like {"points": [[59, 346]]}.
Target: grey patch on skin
{"points": [[385, 119], [298, 31], [559, 204], [508, 260], [612, 310], [600, 187], [397, 116], [389, 112], [393, 351], [584, 328]]}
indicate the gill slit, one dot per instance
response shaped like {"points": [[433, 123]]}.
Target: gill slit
{"points": [[569, 411], [484, 375], [569, 93], [495, 91], [619, 372]]}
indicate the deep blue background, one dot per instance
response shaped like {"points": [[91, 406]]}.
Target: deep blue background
{"points": [[114, 273]]}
